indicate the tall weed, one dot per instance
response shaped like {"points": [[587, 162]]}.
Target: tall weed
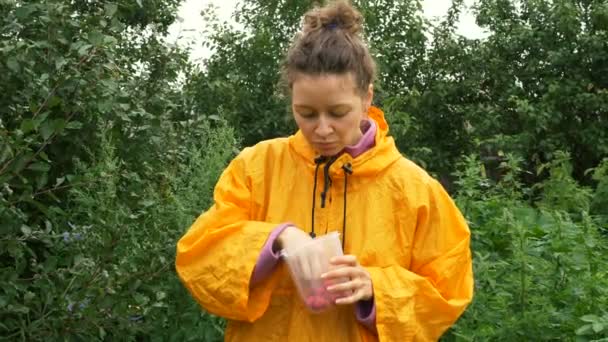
{"points": [[540, 268]]}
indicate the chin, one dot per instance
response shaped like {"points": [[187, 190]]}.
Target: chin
{"points": [[329, 152]]}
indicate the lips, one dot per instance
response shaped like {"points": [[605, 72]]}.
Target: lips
{"points": [[326, 145], [326, 148]]}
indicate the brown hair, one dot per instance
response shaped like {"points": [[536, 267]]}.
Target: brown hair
{"points": [[331, 43]]}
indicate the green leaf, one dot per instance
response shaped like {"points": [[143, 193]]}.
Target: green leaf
{"points": [[39, 166], [117, 25], [84, 49], [598, 327], [44, 209], [6, 153], [59, 125], [110, 84], [40, 118], [60, 62], [584, 330], [104, 106], [111, 9], [44, 156], [13, 64], [96, 38], [24, 12], [50, 264], [590, 318], [42, 180], [63, 41], [15, 249], [74, 125], [29, 296], [18, 308], [54, 101], [46, 130], [159, 305], [26, 230], [49, 127], [55, 198], [21, 162], [141, 299], [147, 203], [102, 333], [28, 125], [136, 285], [59, 181]]}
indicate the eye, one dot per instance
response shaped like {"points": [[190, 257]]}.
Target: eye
{"points": [[307, 114], [338, 114], [340, 111]]}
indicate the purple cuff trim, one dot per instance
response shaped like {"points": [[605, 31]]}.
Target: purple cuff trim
{"points": [[366, 314], [367, 141], [268, 259]]}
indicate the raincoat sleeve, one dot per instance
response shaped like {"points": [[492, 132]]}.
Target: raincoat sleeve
{"points": [[269, 258], [215, 259], [421, 302]]}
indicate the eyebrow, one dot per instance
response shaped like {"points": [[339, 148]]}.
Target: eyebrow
{"points": [[337, 106]]}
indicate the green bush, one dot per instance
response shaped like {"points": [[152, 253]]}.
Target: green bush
{"points": [[103, 165], [540, 271], [103, 264]]}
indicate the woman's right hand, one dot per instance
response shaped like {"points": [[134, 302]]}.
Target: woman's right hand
{"points": [[308, 262], [291, 237]]}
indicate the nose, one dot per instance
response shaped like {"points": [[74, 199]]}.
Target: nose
{"points": [[324, 128]]}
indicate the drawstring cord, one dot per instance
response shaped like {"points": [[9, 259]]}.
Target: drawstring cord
{"points": [[326, 180], [318, 162], [348, 170]]}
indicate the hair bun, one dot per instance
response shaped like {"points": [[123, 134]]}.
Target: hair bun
{"points": [[339, 15]]}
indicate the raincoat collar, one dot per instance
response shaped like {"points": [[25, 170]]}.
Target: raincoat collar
{"points": [[371, 162]]}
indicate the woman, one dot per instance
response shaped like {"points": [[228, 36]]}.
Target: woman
{"points": [[406, 245]]}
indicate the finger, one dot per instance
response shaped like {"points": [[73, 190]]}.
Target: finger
{"points": [[352, 285], [344, 272], [355, 297], [349, 260]]}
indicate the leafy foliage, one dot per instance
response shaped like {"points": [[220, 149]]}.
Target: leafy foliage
{"points": [[111, 143], [103, 164], [536, 84], [540, 271]]}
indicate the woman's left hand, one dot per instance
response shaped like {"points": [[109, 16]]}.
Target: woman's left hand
{"points": [[359, 285]]}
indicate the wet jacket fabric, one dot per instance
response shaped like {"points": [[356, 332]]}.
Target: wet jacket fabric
{"points": [[400, 223], [365, 310]]}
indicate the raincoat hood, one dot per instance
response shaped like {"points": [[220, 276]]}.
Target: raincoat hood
{"points": [[370, 163]]}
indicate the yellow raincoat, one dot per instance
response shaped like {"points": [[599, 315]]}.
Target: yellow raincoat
{"points": [[402, 226]]}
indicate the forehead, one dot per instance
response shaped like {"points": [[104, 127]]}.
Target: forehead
{"points": [[325, 87]]}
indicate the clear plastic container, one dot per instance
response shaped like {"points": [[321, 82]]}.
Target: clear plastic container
{"points": [[307, 263]]}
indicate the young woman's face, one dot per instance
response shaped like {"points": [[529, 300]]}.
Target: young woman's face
{"points": [[328, 109]]}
